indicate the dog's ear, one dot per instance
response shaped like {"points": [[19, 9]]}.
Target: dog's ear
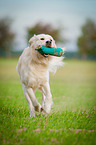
{"points": [[31, 39]]}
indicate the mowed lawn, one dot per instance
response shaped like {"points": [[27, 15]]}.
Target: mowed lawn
{"points": [[73, 114]]}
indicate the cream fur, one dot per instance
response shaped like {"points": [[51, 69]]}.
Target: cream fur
{"points": [[33, 70]]}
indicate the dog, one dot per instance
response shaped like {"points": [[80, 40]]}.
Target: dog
{"points": [[33, 69]]}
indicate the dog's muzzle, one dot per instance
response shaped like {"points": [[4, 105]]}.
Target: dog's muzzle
{"points": [[48, 43]]}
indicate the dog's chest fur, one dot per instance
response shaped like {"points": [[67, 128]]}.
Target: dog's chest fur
{"points": [[32, 74], [37, 76]]}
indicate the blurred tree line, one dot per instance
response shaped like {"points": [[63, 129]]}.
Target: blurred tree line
{"points": [[40, 28], [86, 42], [6, 36]]}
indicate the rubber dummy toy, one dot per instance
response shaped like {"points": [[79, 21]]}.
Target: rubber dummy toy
{"points": [[45, 51]]}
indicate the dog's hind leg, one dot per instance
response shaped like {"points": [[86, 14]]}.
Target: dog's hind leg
{"points": [[31, 108], [43, 99], [48, 98]]}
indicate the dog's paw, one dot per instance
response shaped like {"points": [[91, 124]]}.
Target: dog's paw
{"points": [[37, 108], [42, 109], [47, 105], [47, 108]]}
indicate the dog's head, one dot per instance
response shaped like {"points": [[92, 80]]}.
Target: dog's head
{"points": [[41, 40]]}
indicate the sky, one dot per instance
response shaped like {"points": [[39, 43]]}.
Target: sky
{"points": [[70, 14]]}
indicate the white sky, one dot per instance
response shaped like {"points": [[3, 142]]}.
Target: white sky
{"points": [[71, 14]]}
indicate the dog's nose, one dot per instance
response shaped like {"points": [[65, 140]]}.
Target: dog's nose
{"points": [[48, 43]]}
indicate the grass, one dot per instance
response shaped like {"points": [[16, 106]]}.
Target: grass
{"points": [[73, 115]]}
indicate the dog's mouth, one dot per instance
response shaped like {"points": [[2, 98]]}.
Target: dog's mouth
{"points": [[46, 55], [48, 45]]}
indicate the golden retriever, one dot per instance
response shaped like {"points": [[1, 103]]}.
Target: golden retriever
{"points": [[33, 69]]}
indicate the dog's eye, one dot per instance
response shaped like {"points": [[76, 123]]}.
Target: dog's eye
{"points": [[50, 39], [42, 39]]}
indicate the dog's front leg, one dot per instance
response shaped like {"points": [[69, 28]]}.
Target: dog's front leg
{"points": [[48, 98], [35, 103], [32, 101], [31, 107]]}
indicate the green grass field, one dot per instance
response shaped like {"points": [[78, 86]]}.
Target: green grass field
{"points": [[73, 114]]}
